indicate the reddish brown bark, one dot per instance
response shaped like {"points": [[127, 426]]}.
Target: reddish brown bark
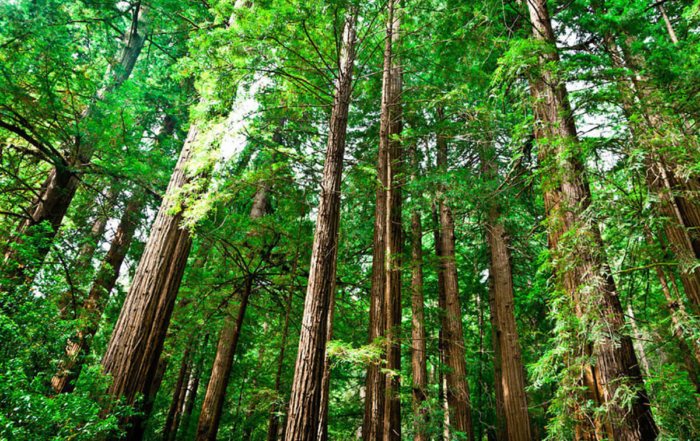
{"points": [[457, 385], [304, 403], [442, 347], [501, 425], [91, 312], [326, 381], [508, 363], [213, 403], [137, 340], [419, 365], [513, 372], [582, 272], [390, 127]]}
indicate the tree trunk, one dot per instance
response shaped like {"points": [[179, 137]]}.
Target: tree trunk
{"points": [[137, 340], [213, 403], [171, 421], [457, 385], [566, 196], [326, 382], [419, 364], [510, 357], [390, 126], [58, 193], [442, 346], [501, 424], [91, 312], [192, 389], [304, 403]]}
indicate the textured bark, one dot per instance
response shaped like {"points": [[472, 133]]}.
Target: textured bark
{"points": [[58, 193], [373, 420], [137, 340], [214, 398], [326, 381], [171, 421], [677, 198], [582, 272], [513, 372], [419, 364], [501, 423], [91, 312], [390, 126], [304, 403], [442, 347], [213, 403], [457, 385]]}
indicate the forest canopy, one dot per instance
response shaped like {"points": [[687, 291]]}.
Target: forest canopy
{"points": [[349, 220]]}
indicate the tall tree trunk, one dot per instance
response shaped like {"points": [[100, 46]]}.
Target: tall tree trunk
{"points": [[566, 196], [457, 385], [213, 403], [214, 398], [91, 312], [63, 180], [442, 346], [390, 127], [419, 364], [137, 340], [304, 403], [515, 407], [501, 423]]}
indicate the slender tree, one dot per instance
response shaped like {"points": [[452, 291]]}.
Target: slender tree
{"points": [[304, 403]]}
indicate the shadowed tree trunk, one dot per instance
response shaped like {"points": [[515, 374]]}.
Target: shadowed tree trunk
{"points": [[171, 421], [515, 407], [91, 312], [326, 383], [457, 386], [442, 395], [566, 196], [212, 406], [419, 365], [193, 388], [501, 425], [59, 190], [304, 403], [137, 340], [390, 126], [213, 403]]}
